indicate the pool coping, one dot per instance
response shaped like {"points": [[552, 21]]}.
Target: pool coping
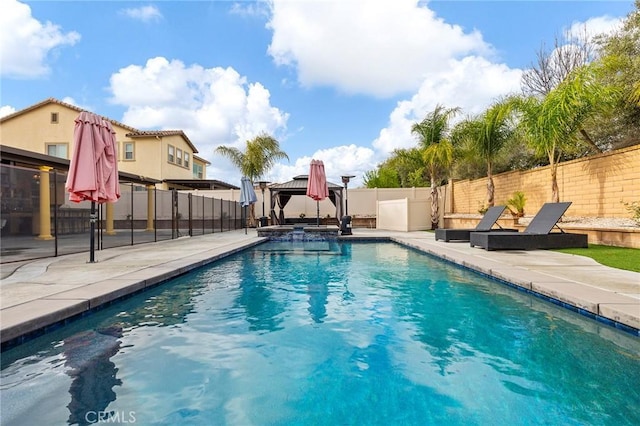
{"points": [[82, 287]]}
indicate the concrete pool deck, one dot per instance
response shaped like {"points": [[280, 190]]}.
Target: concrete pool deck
{"points": [[40, 293]]}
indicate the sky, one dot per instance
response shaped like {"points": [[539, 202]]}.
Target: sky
{"points": [[340, 81]]}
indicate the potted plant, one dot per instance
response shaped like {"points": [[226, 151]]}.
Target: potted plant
{"points": [[515, 204]]}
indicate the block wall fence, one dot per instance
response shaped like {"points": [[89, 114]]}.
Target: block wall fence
{"points": [[597, 186]]}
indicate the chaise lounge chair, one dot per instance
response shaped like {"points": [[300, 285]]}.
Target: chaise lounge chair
{"points": [[537, 235], [489, 219]]}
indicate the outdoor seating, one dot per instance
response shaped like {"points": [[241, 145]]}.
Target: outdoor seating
{"points": [[537, 235], [489, 219]]}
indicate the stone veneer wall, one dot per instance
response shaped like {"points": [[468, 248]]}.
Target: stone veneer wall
{"points": [[596, 186]]}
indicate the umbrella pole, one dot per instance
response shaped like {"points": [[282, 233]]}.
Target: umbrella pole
{"points": [[92, 237], [318, 217], [245, 219]]}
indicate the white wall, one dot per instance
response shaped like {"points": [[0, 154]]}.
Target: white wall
{"points": [[403, 215], [361, 201]]}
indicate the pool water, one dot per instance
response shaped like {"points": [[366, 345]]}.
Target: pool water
{"points": [[326, 334]]}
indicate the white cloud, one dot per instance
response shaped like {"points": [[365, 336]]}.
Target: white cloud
{"points": [[579, 32], [340, 160], [382, 48], [219, 107], [376, 49], [250, 9], [471, 84], [144, 13], [6, 110], [593, 27], [71, 101], [26, 43], [379, 48], [213, 106]]}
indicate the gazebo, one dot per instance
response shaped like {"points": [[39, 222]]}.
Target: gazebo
{"points": [[281, 193]]}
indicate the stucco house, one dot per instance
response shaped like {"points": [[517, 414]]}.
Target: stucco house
{"points": [[166, 157]]}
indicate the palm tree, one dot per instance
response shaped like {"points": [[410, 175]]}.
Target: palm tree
{"points": [[550, 124], [437, 150], [486, 135], [259, 156]]}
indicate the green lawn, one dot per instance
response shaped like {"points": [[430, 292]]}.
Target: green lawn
{"points": [[616, 257]]}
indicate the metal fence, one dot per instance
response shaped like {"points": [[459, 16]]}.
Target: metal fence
{"points": [[141, 215]]}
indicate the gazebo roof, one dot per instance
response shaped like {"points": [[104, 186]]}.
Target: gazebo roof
{"points": [[282, 192], [299, 185]]}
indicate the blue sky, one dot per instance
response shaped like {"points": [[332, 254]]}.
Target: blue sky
{"points": [[339, 81]]}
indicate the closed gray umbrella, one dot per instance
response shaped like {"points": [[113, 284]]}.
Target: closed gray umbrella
{"points": [[247, 197]]}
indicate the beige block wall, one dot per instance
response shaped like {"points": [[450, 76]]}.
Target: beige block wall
{"points": [[596, 186]]}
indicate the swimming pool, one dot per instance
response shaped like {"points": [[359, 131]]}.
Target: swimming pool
{"points": [[326, 333]]}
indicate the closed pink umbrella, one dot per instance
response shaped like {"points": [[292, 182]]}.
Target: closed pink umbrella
{"points": [[317, 187], [93, 171]]}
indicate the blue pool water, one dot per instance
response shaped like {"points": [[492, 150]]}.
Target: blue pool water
{"points": [[326, 334]]}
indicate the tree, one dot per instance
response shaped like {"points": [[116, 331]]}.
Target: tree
{"points": [[410, 166], [259, 156], [485, 136], [382, 177], [550, 124], [620, 59], [554, 66], [405, 168], [437, 150]]}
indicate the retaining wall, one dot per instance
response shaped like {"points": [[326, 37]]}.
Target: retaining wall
{"points": [[597, 186]]}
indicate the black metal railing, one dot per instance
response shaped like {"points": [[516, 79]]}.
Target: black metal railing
{"points": [[143, 214]]}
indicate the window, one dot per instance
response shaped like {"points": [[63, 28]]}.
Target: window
{"points": [[197, 171], [179, 157], [54, 118], [186, 159], [171, 157], [128, 152], [57, 150]]}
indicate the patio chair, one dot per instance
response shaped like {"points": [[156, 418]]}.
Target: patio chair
{"points": [[537, 235], [489, 219]]}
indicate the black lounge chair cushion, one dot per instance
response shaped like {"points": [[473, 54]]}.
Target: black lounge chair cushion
{"points": [[537, 235], [489, 219]]}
